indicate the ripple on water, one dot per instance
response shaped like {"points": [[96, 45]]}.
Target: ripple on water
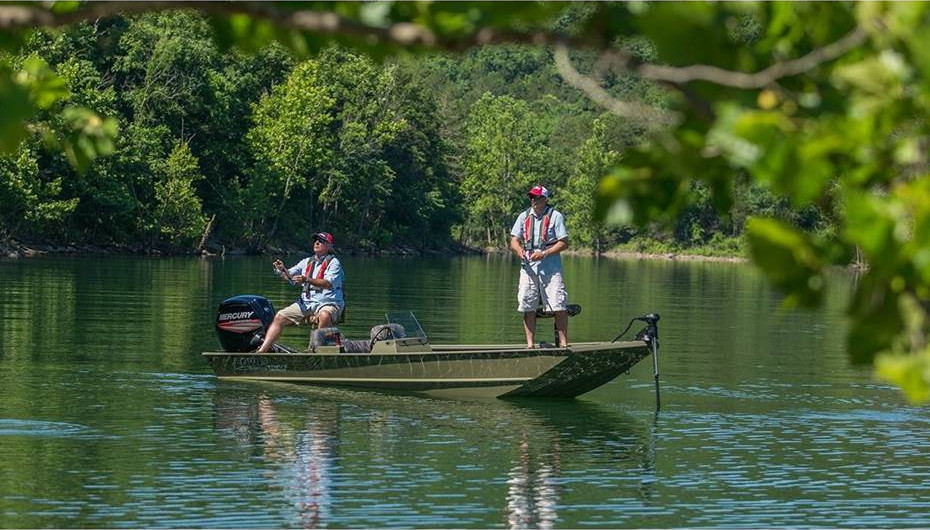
{"points": [[46, 429]]}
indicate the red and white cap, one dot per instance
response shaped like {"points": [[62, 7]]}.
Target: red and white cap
{"points": [[538, 191], [323, 237]]}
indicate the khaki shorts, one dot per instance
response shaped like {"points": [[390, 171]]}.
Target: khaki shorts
{"points": [[528, 296], [309, 318]]}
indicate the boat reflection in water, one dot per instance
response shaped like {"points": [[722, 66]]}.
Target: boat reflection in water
{"points": [[401, 460]]}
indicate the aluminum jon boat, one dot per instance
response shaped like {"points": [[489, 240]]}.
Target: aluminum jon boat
{"points": [[399, 357]]}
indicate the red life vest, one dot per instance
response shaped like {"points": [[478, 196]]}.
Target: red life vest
{"points": [[529, 224], [319, 273]]}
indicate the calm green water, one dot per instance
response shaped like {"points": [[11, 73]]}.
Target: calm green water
{"points": [[110, 418]]}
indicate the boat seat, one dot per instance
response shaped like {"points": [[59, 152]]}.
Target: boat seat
{"points": [[333, 337], [325, 337], [572, 309], [387, 332], [356, 346]]}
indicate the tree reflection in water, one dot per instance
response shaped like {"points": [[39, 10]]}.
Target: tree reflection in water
{"points": [[540, 451]]}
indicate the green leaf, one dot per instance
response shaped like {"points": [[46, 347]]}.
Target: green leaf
{"points": [[88, 136], [62, 6], [788, 258], [640, 194], [17, 109], [877, 313], [871, 225], [778, 153], [918, 43], [46, 88], [872, 330], [910, 372]]}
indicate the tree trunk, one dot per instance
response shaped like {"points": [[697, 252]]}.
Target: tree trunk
{"points": [[860, 264], [206, 233]]}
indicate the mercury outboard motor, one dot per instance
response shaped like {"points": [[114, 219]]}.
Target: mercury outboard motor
{"points": [[241, 322]]}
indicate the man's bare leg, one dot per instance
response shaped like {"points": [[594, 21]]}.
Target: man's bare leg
{"points": [[274, 331], [529, 326], [324, 319], [561, 327]]}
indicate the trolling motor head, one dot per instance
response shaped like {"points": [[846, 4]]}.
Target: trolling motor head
{"points": [[651, 331]]}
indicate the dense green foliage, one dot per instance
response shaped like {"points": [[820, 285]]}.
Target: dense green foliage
{"points": [[801, 125], [278, 145]]}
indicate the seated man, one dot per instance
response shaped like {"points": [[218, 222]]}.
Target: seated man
{"points": [[321, 302]]}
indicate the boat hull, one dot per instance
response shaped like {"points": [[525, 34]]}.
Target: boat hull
{"points": [[461, 370]]}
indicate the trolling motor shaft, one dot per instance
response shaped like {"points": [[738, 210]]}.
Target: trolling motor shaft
{"points": [[650, 334]]}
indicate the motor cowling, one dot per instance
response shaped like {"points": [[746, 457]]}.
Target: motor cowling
{"points": [[241, 322]]}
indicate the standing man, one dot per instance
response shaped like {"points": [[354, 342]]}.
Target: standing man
{"points": [[537, 238], [321, 301]]}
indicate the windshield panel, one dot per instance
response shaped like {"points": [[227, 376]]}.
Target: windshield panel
{"points": [[409, 322]]}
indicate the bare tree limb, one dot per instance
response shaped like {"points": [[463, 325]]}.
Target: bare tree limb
{"points": [[650, 116], [701, 72]]}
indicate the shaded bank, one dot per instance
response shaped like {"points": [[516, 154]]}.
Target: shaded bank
{"points": [[11, 248], [14, 249]]}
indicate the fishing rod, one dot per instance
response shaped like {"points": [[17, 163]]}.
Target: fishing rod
{"points": [[282, 270], [535, 276], [542, 294]]}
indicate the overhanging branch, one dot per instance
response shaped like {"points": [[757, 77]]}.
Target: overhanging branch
{"points": [[702, 72], [648, 115]]}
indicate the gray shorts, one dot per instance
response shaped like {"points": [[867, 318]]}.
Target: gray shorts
{"points": [[528, 295], [309, 317]]}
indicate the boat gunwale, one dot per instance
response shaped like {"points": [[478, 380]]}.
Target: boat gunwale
{"points": [[446, 349]]}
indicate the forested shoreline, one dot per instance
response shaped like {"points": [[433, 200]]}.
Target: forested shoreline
{"points": [[419, 153]]}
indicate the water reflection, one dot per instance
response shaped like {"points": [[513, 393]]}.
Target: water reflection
{"points": [[533, 489], [524, 457], [559, 435], [301, 455], [307, 457]]}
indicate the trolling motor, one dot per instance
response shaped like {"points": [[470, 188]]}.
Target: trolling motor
{"points": [[649, 335]]}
